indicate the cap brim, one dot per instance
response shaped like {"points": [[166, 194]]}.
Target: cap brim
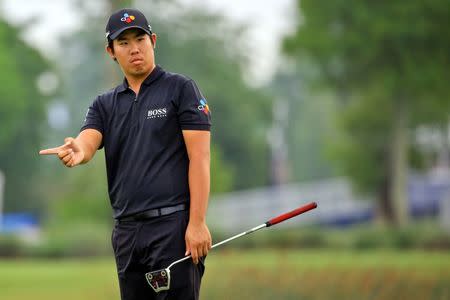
{"points": [[116, 34]]}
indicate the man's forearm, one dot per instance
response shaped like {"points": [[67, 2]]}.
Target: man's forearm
{"points": [[89, 140], [199, 185]]}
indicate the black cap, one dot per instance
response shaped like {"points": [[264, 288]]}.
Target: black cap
{"points": [[124, 19]]}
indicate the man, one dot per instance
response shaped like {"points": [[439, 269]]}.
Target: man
{"points": [[154, 128]]}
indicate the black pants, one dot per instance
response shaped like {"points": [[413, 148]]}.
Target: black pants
{"points": [[150, 245]]}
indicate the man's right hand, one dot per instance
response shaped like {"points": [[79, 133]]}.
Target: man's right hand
{"points": [[70, 154]]}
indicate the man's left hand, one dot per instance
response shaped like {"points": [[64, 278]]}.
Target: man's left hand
{"points": [[198, 240]]}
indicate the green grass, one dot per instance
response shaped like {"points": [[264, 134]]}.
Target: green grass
{"points": [[264, 274], [328, 275], [53, 279]]}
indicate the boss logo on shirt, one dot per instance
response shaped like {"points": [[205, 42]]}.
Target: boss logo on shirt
{"points": [[157, 113]]}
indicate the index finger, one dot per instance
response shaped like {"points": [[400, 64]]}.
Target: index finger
{"points": [[51, 151]]}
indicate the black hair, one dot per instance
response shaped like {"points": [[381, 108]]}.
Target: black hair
{"points": [[111, 46]]}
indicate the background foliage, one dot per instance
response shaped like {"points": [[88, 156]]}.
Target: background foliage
{"points": [[386, 63], [22, 113]]}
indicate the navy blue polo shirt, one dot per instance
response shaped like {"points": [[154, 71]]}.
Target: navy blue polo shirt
{"points": [[146, 158]]}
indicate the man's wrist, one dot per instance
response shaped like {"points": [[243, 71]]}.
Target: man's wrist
{"points": [[197, 220], [82, 146]]}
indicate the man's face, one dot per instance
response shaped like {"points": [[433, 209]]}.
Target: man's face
{"points": [[133, 50]]}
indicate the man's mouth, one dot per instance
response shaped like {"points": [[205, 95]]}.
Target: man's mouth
{"points": [[136, 61]]}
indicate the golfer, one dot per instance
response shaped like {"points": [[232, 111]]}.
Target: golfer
{"points": [[155, 130]]}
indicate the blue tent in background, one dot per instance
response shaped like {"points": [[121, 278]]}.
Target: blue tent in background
{"points": [[18, 222]]}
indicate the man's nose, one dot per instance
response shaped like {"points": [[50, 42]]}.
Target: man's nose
{"points": [[134, 48]]}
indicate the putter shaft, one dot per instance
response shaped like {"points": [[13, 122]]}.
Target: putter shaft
{"points": [[223, 242]]}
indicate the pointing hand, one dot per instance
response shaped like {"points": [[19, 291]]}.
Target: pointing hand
{"points": [[70, 154]]}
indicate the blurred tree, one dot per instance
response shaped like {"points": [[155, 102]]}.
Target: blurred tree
{"points": [[21, 112], [310, 123], [85, 196], [389, 64]]}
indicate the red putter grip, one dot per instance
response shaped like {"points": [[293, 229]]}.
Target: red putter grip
{"points": [[291, 214]]}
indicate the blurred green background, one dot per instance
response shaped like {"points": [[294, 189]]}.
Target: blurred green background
{"points": [[345, 103]]}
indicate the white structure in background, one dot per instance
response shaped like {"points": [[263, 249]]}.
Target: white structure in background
{"points": [[2, 188], [337, 204], [436, 140], [239, 210]]}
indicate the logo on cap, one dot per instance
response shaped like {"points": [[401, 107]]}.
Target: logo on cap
{"points": [[127, 18]]}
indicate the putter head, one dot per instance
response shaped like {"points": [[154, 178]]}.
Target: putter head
{"points": [[159, 280]]}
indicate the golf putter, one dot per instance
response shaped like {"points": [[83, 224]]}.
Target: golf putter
{"points": [[159, 280]]}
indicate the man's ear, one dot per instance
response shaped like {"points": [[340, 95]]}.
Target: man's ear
{"points": [[154, 37], [110, 52]]}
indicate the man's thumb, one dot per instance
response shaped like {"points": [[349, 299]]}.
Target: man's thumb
{"points": [[188, 249], [68, 140]]}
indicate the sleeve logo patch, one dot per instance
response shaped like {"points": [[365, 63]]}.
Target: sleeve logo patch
{"points": [[204, 106]]}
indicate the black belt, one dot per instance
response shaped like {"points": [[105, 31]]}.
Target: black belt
{"points": [[152, 213]]}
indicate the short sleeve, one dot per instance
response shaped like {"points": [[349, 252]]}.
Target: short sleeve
{"points": [[194, 112], [94, 118]]}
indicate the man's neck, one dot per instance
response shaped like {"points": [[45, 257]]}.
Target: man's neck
{"points": [[135, 82]]}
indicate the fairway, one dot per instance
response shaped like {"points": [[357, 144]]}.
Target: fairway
{"points": [[250, 275]]}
